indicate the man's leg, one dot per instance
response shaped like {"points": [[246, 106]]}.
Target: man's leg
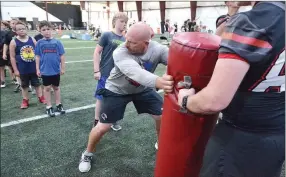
{"points": [[112, 110], [95, 135], [157, 120], [150, 102]]}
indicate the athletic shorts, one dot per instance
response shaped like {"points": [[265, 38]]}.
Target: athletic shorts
{"points": [[113, 105], [51, 80], [100, 85], [236, 153], [29, 79], [3, 62]]}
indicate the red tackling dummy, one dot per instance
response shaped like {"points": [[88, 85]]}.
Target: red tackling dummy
{"points": [[183, 136]]}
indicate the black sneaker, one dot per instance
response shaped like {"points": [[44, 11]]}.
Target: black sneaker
{"points": [[15, 82], [50, 112], [60, 109], [17, 89]]}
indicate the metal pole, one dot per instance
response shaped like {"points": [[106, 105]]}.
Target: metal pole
{"points": [[47, 14], [88, 15]]}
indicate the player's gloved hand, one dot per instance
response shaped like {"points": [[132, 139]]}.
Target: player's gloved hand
{"points": [[165, 82]]}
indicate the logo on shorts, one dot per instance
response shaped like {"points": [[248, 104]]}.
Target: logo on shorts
{"points": [[103, 116]]}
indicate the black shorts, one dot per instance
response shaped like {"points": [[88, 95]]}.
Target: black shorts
{"points": [[3, 62], [51, 80], [113, 105], [236, 153], [27, 79]]}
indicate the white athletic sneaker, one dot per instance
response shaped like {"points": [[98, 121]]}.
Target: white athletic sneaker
{"points": [[85, 162], [116, 127], [3, 85], [156, 145]]}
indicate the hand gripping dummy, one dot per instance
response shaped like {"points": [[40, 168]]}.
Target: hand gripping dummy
{"points": [[183, 135]]}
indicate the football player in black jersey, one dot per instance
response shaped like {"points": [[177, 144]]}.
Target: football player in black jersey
{"points": [[248, 87]]}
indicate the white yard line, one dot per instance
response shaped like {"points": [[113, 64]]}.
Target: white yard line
{"points": [[81, 61], [79, 48], [16, 122]]}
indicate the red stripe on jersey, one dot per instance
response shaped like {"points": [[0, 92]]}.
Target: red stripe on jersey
{"points": [[246, 40], [231, 56]]}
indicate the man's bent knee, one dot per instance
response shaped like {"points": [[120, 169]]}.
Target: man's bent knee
{"points": [[101, 128], [156, 117]]}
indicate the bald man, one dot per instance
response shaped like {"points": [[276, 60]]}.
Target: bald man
{"points": [[131, 80]]}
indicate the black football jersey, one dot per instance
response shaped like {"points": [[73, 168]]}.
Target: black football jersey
{"points": [[258, 38]]}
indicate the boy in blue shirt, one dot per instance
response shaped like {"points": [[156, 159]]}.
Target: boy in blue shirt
{"points": [[50, 64], [103, 60]]}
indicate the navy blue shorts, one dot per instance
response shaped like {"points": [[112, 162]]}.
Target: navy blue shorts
{"points": [[27, 79], [113, 105], [100, 85], [231, 152]]}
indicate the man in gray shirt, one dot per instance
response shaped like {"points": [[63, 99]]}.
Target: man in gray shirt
{"points": [[131, 79]]}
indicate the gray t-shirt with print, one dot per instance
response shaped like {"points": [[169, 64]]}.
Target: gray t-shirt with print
{"points": [[133, 74]]}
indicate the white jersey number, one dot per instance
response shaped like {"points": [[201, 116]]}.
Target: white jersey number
{"points": [[275, 79]]}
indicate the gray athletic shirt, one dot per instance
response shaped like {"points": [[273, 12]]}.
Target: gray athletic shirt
{"points": [[134, 73]]}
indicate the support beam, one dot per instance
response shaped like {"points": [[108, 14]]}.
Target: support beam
{"points": [[162, 14], [108, 13], [46, 8], [139, 10], [82, 5], [193, 9], [120, 6]]}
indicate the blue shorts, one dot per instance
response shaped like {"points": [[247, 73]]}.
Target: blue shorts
{"points": [[100, 85], [113, 105]]}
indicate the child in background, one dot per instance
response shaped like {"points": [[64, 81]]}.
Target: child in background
{"points": [[22, 53], [50, 64], [103, 59]]}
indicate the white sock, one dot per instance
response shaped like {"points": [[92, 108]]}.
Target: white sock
{"points": [[88, 153]]}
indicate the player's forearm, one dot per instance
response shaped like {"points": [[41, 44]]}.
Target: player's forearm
{"points": [[63, 63], [13, 63], [5, 49], [141, 76], [96, 61], [38, 63], [205, 102]]}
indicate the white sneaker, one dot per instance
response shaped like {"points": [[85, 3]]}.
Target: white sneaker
{"points": [[156, 145], [85, 162], [3, 85], [33, 91], [116, 127]]}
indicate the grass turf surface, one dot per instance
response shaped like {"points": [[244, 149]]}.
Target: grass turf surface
{"points": [[52, 146]]}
